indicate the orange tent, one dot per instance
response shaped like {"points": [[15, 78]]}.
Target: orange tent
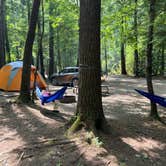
{"points": [[11, 74]]}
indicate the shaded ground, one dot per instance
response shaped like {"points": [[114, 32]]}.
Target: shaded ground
{"points": [[30, 135]]}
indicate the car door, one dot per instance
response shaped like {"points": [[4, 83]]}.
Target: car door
{"points": [[62, 76], [68, 75]]}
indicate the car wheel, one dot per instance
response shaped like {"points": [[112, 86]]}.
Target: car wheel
{"points": [[75, 82]]}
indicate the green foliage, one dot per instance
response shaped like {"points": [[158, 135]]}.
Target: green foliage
{"points": [[64, 18], [111, 32], [59, 163], [91, 139], [129, 60]]}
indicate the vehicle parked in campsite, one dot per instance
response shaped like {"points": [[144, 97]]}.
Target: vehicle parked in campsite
{"points": [[68, 76]]}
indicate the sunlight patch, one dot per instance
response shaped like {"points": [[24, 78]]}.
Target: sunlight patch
{"points": [[143, 144]]}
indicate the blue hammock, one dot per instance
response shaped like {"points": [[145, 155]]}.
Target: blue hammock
{"points": [[154, 98], [55, 96]]}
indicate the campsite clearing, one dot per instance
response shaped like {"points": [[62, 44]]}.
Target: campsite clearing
{"points": [[30, 135]]}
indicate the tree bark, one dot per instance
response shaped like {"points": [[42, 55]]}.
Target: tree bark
{"points": [[162, 60], [51, 42], [29, 11], [89, 108], [17, 53], [40, 41], [153, 112], [123, 59], [58, 50], [105, 57], [27, 60], [2, 33], [136, 73], [7, 43]]}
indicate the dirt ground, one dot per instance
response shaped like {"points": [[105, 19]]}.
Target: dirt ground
{"points": [[35, 135]]}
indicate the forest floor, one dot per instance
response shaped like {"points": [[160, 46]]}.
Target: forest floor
{"points": [[35, 135]]}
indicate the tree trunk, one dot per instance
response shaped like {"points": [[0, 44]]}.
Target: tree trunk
{"points": [[77, 63], [17, 53], [29, 11], [2, 33], [7, 46], [136, 68], [89, 108], [123, 59], [58, 51], [153, 112], [51, 43], [40, 42], [27, 60], [105, 57], [162, 60], [40, 46], [7, 43], [66, 62], [136, 42]]}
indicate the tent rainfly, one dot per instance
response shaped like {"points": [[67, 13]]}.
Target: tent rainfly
{"points": [[11, 74]]}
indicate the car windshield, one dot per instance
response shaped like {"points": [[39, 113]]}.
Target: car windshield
{"points": [[64, 71], [70, 70]]}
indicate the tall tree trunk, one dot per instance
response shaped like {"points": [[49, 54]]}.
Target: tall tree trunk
{"points": [[27, 60], [17, 53], [2, 33], [105, 57], [58, 50], [40, 41], [153, 112], [123, 59], [7, 43], [29, 11], [136, 41], [66, 62], [77, 63], [162, 60], [70, 56], [51, 42], [89, 108], [7, 46], [40, 47]]}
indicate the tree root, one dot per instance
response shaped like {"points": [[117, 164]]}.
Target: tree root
{"points": [[75, 126], [24, 100]]}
